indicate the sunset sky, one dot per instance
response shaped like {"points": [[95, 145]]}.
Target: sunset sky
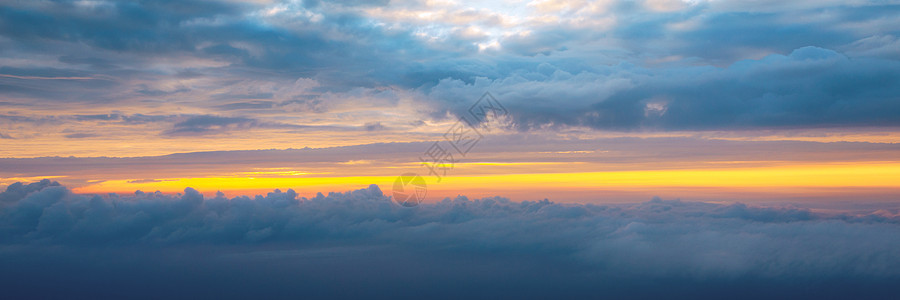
{"points": [[606, 100], [764, 103]]}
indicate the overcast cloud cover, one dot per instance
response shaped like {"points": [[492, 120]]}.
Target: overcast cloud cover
{"points": [[358, 243]]}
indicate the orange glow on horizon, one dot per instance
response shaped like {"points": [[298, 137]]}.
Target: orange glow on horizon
{"points": [[776, 179]]}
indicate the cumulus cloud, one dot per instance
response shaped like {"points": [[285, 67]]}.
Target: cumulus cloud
{"points": [[682, 248], [17, 191]]}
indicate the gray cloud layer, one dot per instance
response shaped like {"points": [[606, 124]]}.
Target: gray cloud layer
{"points": [[809, 87], [529, 249], [823, 64]]}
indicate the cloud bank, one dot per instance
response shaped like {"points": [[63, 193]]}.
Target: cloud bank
{"points": [[360, 243]]}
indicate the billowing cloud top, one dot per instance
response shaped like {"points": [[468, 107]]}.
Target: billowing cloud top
{"points": [[682, 248]]}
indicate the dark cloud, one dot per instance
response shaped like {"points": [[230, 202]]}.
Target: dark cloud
{"points": [[118, 26], [35, 120], [93, 62], [374, 126], [5, 103], [144, 90], [81, 135], [207, 124], [810, 87], [134, 35], [247, 105], [722, 37], [189, 125], [18, 190], [132, 119], [141, 118], [106, 117], [486, 247], [675, 70]]}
